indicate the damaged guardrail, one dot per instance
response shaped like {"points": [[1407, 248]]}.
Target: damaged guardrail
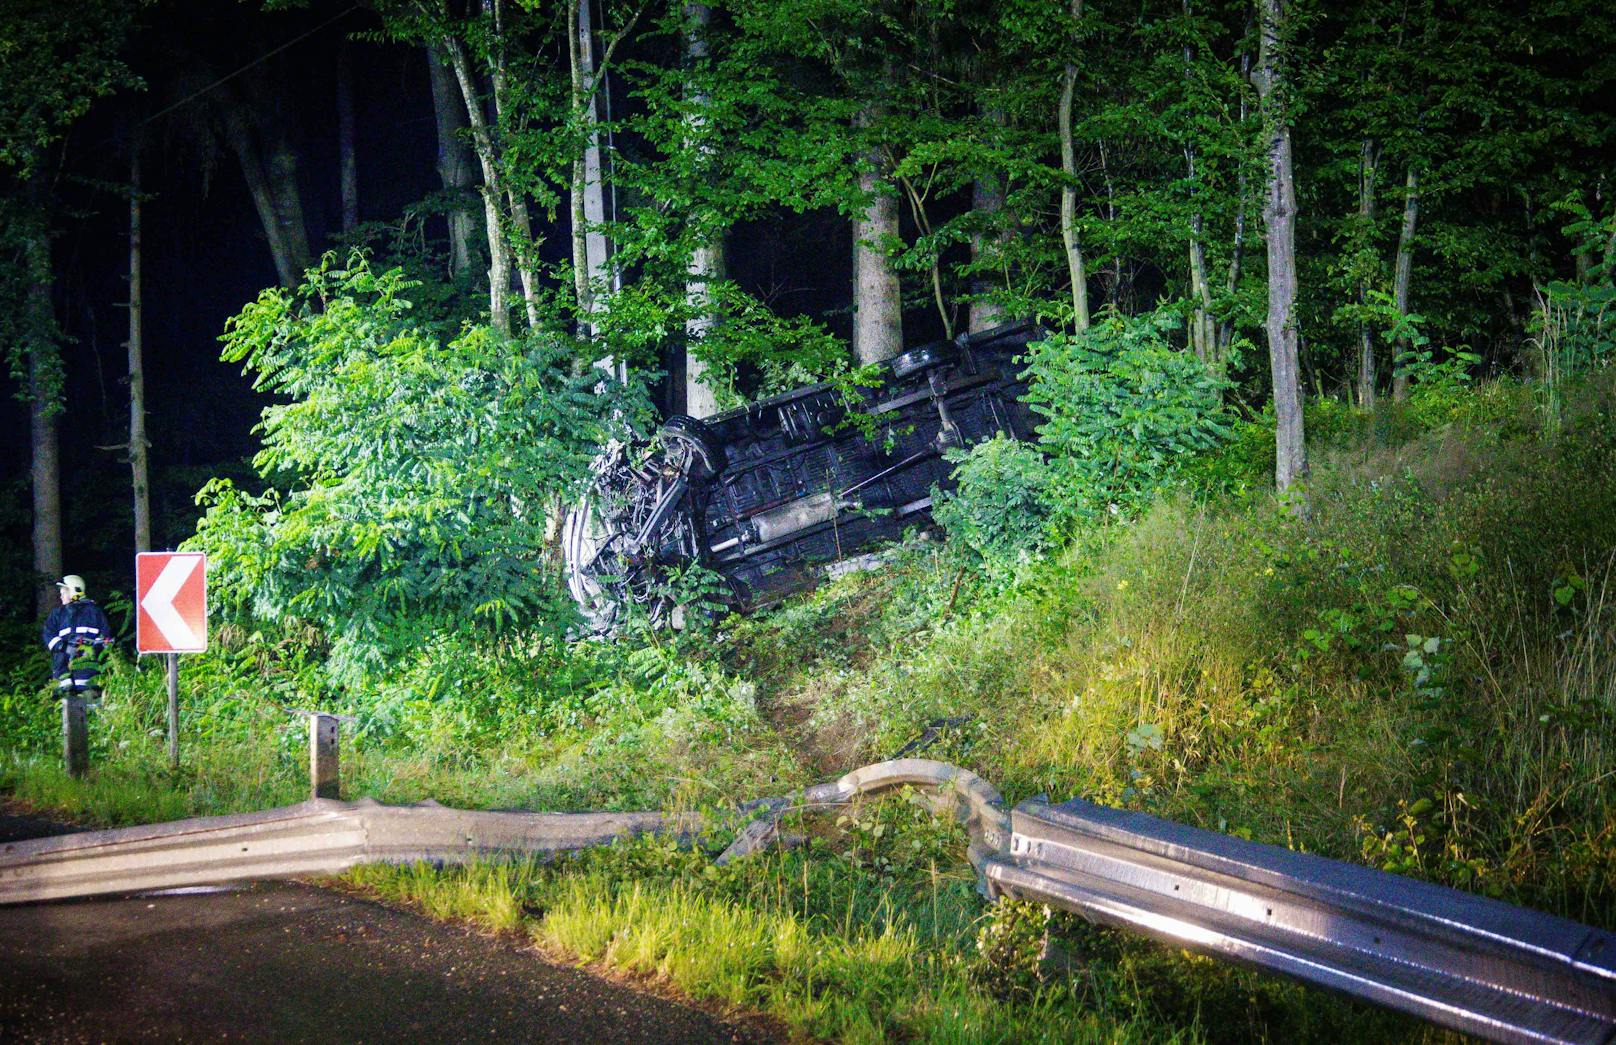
{"points": [[324, 836], [321, 836], [1457, 959]]}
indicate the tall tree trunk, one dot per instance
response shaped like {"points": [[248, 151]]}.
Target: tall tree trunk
{"points": [[1202, 337], [287, 198], [1368, 157], [345, 141], [138, 447], [987, 200], [1238, 247], [1403, 278], [522, 245], [492, 190], [706, 265], [44, 395], [42, 418], [877, 303], [988, 242], [248, 117], [454, 163], [590, 249], [706, 268], [44, 407], [1117, 291], [239, 136], [1069, 235], [1279, 217]]}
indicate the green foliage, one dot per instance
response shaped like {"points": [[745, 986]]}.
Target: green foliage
{"points": [[1416, 677], [748, 339], [1001, 510], [53, 68], [1123, 411], [411, 478]]}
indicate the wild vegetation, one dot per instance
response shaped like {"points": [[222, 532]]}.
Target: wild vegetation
{"points": [[1416, 676], [1314, 545]]}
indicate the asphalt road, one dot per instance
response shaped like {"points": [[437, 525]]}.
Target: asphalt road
{"points": [[291, 963]]}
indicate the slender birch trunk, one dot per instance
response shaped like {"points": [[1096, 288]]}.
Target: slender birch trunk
{"points": [[1069, 233], [1238, 247], [706, 268], [580, 251], [706, 264], [590, 249], [1202, 337], [138, 446], [1279, 217], [1403, 278], [492, 189], [521, 227], [1368, 157]]}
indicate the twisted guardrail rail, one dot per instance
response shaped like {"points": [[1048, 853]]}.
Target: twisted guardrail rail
{"points": [[1456, 959]]}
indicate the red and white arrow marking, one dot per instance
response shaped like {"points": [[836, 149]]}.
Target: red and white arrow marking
{"points": [[172, 589]]}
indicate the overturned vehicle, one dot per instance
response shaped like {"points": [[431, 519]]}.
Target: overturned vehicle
{"points": [[768, 496]]}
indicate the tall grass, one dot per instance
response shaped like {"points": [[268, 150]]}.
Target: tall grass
{"points": [[1419, 675], [842, 979]]}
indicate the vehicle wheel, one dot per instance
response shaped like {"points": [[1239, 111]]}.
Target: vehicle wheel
{"points": [[707, 457]]}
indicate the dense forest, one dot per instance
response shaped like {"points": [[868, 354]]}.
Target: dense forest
{"points": [[1313, 546], [730, 200]]}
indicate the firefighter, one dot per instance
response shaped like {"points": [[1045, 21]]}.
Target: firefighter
{"points": [[75, 633]]}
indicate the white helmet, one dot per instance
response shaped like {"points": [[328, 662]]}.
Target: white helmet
{"points": [[74, 585]]}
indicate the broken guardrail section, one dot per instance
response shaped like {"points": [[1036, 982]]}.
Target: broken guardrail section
{"points": [[321, 836], [1456, 959]]}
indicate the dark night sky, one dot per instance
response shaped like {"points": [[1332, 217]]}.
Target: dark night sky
{"points": [[205, 256]]}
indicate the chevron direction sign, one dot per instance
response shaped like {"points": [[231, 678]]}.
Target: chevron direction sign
{"points": [[171, 596]]}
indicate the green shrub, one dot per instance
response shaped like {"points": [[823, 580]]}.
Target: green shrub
{"points": [[1123, 410], [1001, 509], [411, 478]]}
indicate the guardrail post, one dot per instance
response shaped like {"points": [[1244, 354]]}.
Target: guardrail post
{"points": [[75, 736], [325, 777]]}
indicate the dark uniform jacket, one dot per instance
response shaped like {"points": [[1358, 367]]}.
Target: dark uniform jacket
{"points": [[71, 631]]}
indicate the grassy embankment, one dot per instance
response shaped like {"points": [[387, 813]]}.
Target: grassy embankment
{"points": [[1418, 676]]}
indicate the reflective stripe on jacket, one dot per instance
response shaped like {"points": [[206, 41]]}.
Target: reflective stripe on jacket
{"points": [[70, 631]]}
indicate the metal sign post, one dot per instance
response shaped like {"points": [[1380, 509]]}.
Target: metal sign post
{"points": [[171, 600], [173, 711]]}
